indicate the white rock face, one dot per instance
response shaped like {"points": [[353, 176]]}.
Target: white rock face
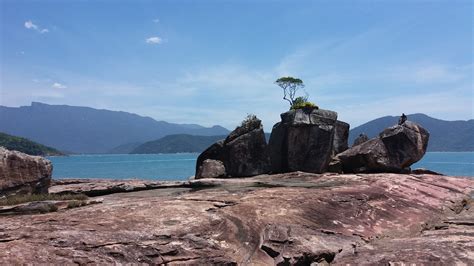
{"points": [[21, 173], [211, 169]]}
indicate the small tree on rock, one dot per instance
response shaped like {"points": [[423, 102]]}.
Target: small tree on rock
{"points": [[290, 86]]}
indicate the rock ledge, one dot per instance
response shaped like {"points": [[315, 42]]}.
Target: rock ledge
{"points": [[294, 218]]}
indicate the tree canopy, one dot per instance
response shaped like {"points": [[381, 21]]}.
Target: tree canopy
{"points": [[290, 86]]}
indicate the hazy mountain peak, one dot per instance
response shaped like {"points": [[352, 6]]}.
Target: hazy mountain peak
{"points": [[89, 130], [444, 135]]}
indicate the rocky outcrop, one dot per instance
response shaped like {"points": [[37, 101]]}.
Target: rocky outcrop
{"points": [[242, 153], [211, 169], [23, 174], [215, 152], [295, 218], [341, 136], [394, 150], [360, 139], [305, 140], [100, 187]]}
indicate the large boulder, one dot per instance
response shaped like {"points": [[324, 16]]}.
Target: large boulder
{"points": [[243, 152], [394, 150], [211, 169], [23, 174], [360, 139], [215, 152], [341, 136], [304, 140]]}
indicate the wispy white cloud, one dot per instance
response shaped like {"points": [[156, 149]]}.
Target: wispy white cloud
{"points": [[31, 26], [41, 80], [156, 20], [388, 90], [48, 95], [225, 93], [431, 73], [154, 40], [57, 85]]}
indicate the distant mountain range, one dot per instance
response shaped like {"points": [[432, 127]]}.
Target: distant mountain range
{"points": [[26, 146], [88, 130], [444, 135], [177, 143]]}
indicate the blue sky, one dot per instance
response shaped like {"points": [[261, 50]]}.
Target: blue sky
{"points": [[213, 62]]}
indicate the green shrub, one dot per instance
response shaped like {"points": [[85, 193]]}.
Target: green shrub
{"points": [[251, 121], [18, 199], [48, 208], [302, 102], [76, 203]]}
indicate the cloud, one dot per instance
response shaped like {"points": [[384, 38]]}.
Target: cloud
{"points": [[43, 94], [57, 85], [156, 20], [438, 73], [41, 80], [154, 40], [31, 26]]}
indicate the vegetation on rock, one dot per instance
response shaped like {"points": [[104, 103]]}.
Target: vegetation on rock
{"points": [[302, 103], [290, 86], [19, 199], [76, 203], [250, 121]]}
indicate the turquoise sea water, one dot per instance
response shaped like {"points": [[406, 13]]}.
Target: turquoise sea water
{"points": [[181, 166], [448, 163], [117, 166]]}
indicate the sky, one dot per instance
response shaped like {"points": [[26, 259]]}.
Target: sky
{"points": [[214, 62]]}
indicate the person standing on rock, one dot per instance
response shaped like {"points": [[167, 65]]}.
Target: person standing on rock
{"points": [[402, 119]]}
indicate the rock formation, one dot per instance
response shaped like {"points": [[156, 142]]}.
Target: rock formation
{"points": [[305, 140], [341, 136], [394, 150], [360, 139], [23, 174], [242, 153], [211, 169], [311, 140], [292, 219]]}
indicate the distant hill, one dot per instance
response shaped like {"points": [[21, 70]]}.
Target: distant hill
{"points": [[444, 135], [124, 148], [26, 146], [89, 130], [177, 143]]}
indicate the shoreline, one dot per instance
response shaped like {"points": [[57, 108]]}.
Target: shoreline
{"points": [[183, 169]]}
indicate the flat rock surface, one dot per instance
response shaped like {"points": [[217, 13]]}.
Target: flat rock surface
{"points": [[297, 218], [98, 187]]}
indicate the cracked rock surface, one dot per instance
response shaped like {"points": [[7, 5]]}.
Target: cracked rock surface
{"points": [[295, 218]]}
